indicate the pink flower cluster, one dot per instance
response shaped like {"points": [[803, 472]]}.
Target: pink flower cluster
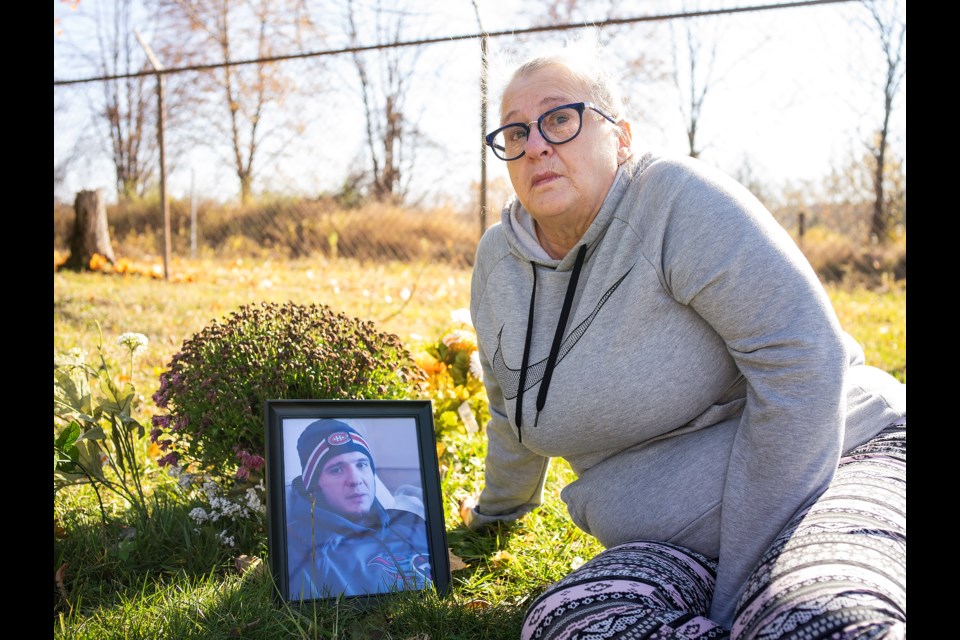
{"points": [[249, 463]]}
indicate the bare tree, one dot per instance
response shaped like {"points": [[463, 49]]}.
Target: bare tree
{"points": [[243, 103], [571, 11], [692, 76], [890, 26], [129, 106], [690, 73], [384, 93], [67, 153], [123, 107], [642, 68]]}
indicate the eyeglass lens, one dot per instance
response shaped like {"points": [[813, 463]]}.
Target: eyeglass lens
{"points": [[557, 127]]}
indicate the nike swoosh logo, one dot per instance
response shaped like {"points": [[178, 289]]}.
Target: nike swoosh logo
{"points": [[510, 378]]}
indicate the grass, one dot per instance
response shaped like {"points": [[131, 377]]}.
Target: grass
{"points": [[160, 577]]}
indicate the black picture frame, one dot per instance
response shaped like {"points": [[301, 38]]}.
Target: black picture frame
{"points": [[314, 556]]}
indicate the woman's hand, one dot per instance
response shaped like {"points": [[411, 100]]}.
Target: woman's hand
{"points": [[466, 509]]}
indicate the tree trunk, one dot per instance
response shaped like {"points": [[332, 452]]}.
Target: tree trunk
{"points": [[90, 232]]}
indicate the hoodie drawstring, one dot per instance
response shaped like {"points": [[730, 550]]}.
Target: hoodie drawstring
{"points": [[557, 340]]}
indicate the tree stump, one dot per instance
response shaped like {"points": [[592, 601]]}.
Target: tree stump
{"points": [[91, 235]]}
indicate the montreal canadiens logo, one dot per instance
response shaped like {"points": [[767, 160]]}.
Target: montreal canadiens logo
{"points": [[340, 437]]}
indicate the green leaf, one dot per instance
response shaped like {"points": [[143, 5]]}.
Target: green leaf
{"points": [[131, 424], [89, 458], [66, 458], [68, 436], [71, 389], [116, 401], [117, 437], [93, 433]]}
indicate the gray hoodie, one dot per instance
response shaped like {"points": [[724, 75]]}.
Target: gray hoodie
{"points": [[701, 386]]}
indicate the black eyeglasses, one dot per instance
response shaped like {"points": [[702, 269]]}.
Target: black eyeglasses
{"points": [[558, 125]]}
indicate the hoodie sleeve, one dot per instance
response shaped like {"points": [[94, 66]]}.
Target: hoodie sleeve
{"points": [[514, 475], [723, 254]]}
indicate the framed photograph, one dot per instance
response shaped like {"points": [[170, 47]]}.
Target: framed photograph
{"points": [[353, 499]]}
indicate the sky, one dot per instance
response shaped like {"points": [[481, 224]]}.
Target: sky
{"points": [[793, 93]]}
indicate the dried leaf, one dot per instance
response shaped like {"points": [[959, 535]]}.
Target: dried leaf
{"points": [[466, 414], [502, 556], [456, 562], [244, 563], [58, 578], [240, 632]]}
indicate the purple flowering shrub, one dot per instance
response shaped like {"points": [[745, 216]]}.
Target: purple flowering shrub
{"points": [[214, 389]]}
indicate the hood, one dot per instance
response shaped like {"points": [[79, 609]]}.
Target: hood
{"points": [[517, 223], [517, 228]]}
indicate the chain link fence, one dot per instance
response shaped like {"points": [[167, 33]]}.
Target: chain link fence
{"points": [[318, 189]]}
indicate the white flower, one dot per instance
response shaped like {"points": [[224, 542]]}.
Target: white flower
{"points": [[135, 342], [253, 501], [226, 540], [210, 489], [199, 515], [461, 316], [476, 370], [230, 509]]}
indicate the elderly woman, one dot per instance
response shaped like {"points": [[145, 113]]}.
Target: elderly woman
{"points": [[648, 320]]}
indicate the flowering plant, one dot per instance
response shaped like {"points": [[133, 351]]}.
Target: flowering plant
{"points": [[454, 378], [96, 437], [212, 396], [234, 517]]}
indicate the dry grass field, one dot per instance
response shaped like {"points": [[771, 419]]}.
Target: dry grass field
{"points": [[411, 300]]}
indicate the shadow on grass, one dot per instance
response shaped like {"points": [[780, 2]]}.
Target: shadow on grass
{"points": [[158, 577]]}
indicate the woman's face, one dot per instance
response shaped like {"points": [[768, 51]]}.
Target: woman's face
{"points": [[347, 484], [570, 179]]}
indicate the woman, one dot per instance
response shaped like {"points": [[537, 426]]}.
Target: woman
{"points": [[341, 538], [650, 322]]}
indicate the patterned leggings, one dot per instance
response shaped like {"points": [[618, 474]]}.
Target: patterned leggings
{"points": [[837, 571]]}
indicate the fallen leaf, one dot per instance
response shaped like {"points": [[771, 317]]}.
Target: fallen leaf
{"points": [[58, 578], [466, 414], [502, 556], [244, 563], [238, 632], [456, 562]]}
